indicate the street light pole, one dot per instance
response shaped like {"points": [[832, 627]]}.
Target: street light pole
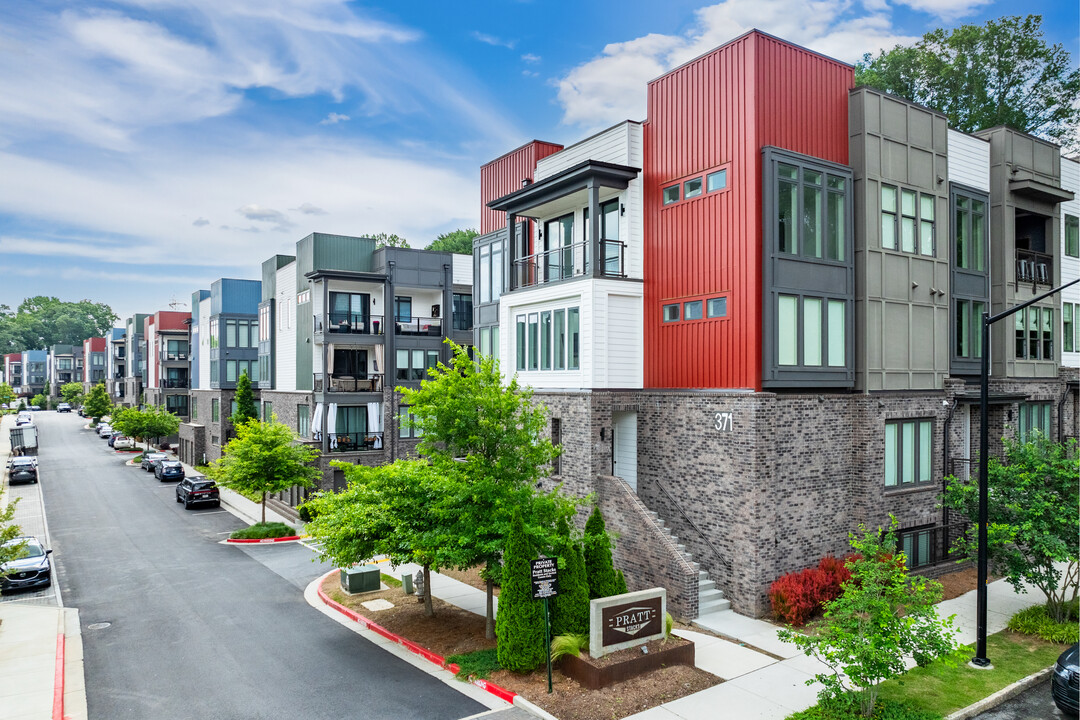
{"points": [[980, 659]]}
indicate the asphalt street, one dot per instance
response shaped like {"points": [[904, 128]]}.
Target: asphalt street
{"points": [[1035, 703], [178, 625]]}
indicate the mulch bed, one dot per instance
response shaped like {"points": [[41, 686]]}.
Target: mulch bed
{"points": [[453, 631], [957, 583]]}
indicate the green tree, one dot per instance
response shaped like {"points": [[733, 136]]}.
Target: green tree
{"points": [[264, 457], [398, 510], [97, 404], [1034, 512], [1000, 73], [495, 436], [145, 423], [388, 240], [599, 567], [245, 401], [72, 392], [882, 617], [570, 608], [41, 322], [9, 531], [455, 241], [40, 400], [7, 394], [520, 625]]}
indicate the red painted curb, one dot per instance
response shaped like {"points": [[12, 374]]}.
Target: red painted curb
{"points": [[58, 681], [290, 538], [499, 692]]}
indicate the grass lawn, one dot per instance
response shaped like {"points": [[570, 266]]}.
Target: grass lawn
{"points": [[942, 690]]}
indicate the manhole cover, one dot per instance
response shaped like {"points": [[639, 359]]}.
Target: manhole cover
{"points": [[98, 626]]}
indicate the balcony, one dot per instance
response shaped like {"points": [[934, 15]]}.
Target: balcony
{"points": [[355, 442], [350, 323], [1034, 267], [566, 263], [175, 383], [344, 383], [462, 320], [419, 326], [173, 356]]}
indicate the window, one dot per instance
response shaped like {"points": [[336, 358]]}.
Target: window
{"points": [[485, 274], [230, 371], [195, 411], [916, 544], [303, 297], [811, 212], [908, 452], [970, 227], [215, 372], [1035, 333], [823, 326], [213, 332], [1034, 416], [485, 340], [177, 404], [303, 420], [534, 350], [403, 309], [559, 236], [520, 342], [545, 340], [556, 440], [915, 216], [264, 323], [412, 365], [671, 194], [176, 349], [969, 328], [691, 188], [215, 410], [230, 333], [407, 426], [417, 371], [244, 335], [572, 323], [787, 326], [267, 411], [559, 340], [716, 181], [671, 313], [1070, 314], [1072, 236], [462, 312], [716, 307], [692, 310]]}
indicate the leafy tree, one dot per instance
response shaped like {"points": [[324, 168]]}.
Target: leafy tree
{"points": [[40, 400], [145, 423], [397, 510], [387, 240], [264, 458], [570, 608], [1001, 73], [455, 241], [7, 394], [1034, 512], [520, 625], [494, 435], [882, 617], [9, 531], [245, 401], [599, 568], [97, 403], [41, 322], [72, 392]]}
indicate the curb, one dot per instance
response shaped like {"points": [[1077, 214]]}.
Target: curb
{"points": [[499, 692], [1006, 693], [58, 679], [256, 541]]}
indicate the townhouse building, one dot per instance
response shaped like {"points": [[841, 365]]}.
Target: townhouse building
{"points": [[13, 371], [63, 366], [167, 379], [135, 360], [116, 365], [754, 317], [35, 368], [95, 356]]}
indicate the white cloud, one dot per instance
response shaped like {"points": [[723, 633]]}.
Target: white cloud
{"points": [[201, 222], [493, 40], [309, 209], [530, 58], [947, 10], [334, 118], [258, 213], [612, 86]]}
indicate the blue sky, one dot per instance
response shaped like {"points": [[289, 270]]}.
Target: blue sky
{"points": [[149, 147]]}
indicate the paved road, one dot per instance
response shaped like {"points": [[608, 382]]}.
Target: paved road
{"points": [[1034, 703], [195, 628]]}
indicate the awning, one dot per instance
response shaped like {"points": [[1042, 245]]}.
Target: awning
{"points": [[531, 199]]}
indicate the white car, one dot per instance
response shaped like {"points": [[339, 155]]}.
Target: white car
{"points": [[104, 430], [24, 419], [123, 443]]}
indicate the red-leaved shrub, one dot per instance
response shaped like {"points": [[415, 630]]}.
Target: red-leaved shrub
{"points": [[798, 596]]}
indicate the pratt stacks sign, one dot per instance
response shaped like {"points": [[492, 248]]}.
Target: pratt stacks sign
{"points": [[623, 621]]}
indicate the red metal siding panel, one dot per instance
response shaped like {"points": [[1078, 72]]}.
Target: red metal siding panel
{"points": [[503, 176], [721, 109]]}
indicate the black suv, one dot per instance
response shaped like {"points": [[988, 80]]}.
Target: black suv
{"points": [[22, 469], [194, 490], [169, 470]]}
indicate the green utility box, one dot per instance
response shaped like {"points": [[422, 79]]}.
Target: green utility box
{"points": [[361, 579]]}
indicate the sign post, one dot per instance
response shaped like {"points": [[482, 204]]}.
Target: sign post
{"points": [[545, 577]]}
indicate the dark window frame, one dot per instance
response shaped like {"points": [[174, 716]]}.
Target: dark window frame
{"points": [[916, 454]]}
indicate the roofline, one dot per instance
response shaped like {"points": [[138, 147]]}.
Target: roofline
{"points": [[902, 99], [519, 147], [1018, 131], [578, 167], [596, 134]]}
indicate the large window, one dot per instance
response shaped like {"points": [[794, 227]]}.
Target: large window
{"points": [[970, 228], [462, 311], [264, 323], [303, 420], [908, 452], [412, 365], [214, 332], [490, 272], [559, 236], [548, 340], [907, 217], [176, 349], [407, 426], [610, 247], [811, 331], [1034, 333], [916, 544], [403, 309], [968, 328], [215, 410], [811, 213], [1072, 236], [1070, 318], [1034, 416], [177, 404], [351, 309]]}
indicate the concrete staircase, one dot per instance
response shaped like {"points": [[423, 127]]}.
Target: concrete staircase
{"points": [[710, 598]]}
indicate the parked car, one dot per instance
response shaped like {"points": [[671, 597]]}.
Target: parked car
{"points": [[81, 412], [24, 419], [169, 470], [148, 460], [63, 407], [22, 469], [35, 408], [112, 437], [198, 490], [32, 568], [1065, 682], [123, 442], [104, 430]]}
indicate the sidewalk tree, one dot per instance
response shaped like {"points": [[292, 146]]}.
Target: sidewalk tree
{"points": [[7, 394], [72, 392], [520, 625], [599, 567], [245, 402], [882, 617], [9, 531], [264, 457], [97, 403], [982, 76], [496, 436], [1034, 512], [397, 510]]}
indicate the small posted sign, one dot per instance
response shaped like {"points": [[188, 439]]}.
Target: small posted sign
{"points": [[545, 576]]}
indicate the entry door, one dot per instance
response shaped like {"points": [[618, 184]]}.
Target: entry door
{"points": [[624, 447]]}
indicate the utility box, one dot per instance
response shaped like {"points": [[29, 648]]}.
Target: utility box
{"points": [[362, 579]]}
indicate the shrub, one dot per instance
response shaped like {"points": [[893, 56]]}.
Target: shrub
{"points": [[307, 512], [570, 608], [519, 625], [798, 596], [571, 644], [599, 568], [479, 664], [1036, 620], [263, 530]]}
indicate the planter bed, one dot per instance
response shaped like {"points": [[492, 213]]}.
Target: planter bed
{"points": [[596, 673]]}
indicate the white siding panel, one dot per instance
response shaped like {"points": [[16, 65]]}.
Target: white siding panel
{"points": [[204, 344], [606, 146], [969, 161], [624, 342], [285, 329], [463, 269], [1070, 266]]}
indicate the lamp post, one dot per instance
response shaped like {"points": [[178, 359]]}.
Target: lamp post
{"points": [[980, 659]]}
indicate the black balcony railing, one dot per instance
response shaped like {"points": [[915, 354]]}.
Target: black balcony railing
{"points": [[568, 262], [372, 382], [933, 545], [419, 326], [355, 442], [175, 383], [173, 356], [1034, 267], [350, 323]]}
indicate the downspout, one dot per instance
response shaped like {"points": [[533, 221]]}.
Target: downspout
{"points": [[945, 459], [1061, 406]]}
